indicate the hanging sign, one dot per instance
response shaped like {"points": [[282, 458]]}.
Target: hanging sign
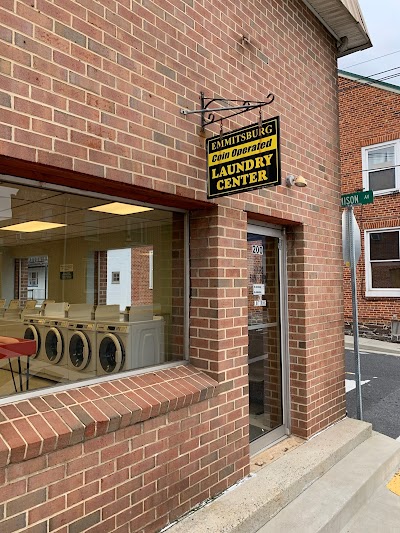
{"points": [[244, 159]]}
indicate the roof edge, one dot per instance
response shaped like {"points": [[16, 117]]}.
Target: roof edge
{"points": [[365, 80], [344, 21]]}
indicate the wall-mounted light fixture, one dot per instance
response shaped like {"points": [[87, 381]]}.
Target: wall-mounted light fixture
{"points": [[299, 181]]}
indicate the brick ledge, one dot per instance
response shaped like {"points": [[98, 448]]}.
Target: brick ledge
{"points": [[30, 428]]}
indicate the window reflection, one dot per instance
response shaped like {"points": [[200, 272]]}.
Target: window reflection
{"points": [[99, 288]]}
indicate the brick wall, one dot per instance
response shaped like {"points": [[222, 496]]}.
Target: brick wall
{"points": [[368, 115], [142, 294], [90, 97], [100, 278], [115, 457]]}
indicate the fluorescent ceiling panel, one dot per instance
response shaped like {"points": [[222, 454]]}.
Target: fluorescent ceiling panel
{"points": [[118, 208], [32, 226]]}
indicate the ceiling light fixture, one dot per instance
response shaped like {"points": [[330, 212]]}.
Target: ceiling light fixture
{"points": [[118, 208], [32, 226]]}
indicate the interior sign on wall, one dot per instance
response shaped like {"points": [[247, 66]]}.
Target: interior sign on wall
{"points": [[244, 159], [67, 271]]}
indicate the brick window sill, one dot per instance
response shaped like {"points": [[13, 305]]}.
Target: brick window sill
{"points": [[40, 425]]}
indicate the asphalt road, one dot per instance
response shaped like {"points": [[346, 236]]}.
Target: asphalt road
{"points": [[380, 375]]}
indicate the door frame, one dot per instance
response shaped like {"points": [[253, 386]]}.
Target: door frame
{"points": [[283, 430]]}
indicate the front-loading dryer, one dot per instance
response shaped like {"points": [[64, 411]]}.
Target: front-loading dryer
{"points": [[81, 350]]}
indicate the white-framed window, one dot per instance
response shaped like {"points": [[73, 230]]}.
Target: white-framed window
{"points": [[33, 278], [380, 163], [382, 262], [115, 277]]}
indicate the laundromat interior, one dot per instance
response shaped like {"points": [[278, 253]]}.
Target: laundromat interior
{"points": [[98, 283]]}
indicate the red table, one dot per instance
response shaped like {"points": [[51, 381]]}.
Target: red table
{"points": [[11, 347]]}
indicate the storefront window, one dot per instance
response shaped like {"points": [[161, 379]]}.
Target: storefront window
{"points": [[96, 284]]}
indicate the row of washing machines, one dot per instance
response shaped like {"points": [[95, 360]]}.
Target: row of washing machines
{"points": [[78, 341]]}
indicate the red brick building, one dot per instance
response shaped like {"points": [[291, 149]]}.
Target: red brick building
{"points": [[234, 338], [370, 158]]}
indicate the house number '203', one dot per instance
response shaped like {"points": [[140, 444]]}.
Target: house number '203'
{"points": [[257, 249]]}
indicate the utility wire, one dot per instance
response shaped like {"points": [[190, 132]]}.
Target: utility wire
{"points": [[377, 73], [352, 84], [373, 59]]}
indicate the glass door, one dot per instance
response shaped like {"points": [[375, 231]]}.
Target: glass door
{"points": [[267, 337]]}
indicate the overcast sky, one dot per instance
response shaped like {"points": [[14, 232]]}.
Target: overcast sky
{"points": [[383, 22]]}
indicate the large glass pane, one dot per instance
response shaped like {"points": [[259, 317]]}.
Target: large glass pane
{"points": [[99, 288], [382, 180], [386, 275], [381, 158], [265, 372], [384, 245], [381, 162]]}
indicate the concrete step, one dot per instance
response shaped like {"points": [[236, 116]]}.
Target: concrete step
{"points": [[380, 513], [251, 504], [333, 500]]}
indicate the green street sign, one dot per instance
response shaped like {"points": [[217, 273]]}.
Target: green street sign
{"points": [[357, 198]]}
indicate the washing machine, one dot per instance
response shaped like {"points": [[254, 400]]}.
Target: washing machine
{"points": [[81, 350], [81, 342], [11, 324], [33, 330], [113, 343], [54, 329], [54, 347], [2, 306], [129, 345], [147, 336]]}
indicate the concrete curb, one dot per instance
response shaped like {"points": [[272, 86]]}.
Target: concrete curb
{"points": [[252, 503], [373, 346]]}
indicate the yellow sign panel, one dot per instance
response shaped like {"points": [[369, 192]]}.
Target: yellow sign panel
{"points": [[394, 484], [244, 159]]}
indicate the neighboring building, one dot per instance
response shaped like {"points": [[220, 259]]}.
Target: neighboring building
{"points": [[370, 160], [235, 328]]}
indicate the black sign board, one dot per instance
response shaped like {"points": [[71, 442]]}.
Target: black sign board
{"points": [[244, 159], [66, 275]]}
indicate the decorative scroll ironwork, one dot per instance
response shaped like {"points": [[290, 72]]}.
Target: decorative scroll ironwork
{"points": [[208, 115]]}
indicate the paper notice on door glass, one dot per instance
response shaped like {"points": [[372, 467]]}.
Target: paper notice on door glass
{"points": [[259, 289], [260, 303]]}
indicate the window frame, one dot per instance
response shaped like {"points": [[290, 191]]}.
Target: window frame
{"points": [[62, 387], [366, 171], [369, 290], [116, 277], [31, 274], [151, 269]]}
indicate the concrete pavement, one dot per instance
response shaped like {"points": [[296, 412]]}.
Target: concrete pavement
{"points": [[373, 345]]}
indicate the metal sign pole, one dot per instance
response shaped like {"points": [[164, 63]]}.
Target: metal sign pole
{"points": [[353, 262]]}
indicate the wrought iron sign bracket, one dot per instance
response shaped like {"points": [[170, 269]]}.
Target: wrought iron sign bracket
{"points": [[236, 107]]}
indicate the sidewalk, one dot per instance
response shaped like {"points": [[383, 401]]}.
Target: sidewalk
{"points": [[372, 345]]}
